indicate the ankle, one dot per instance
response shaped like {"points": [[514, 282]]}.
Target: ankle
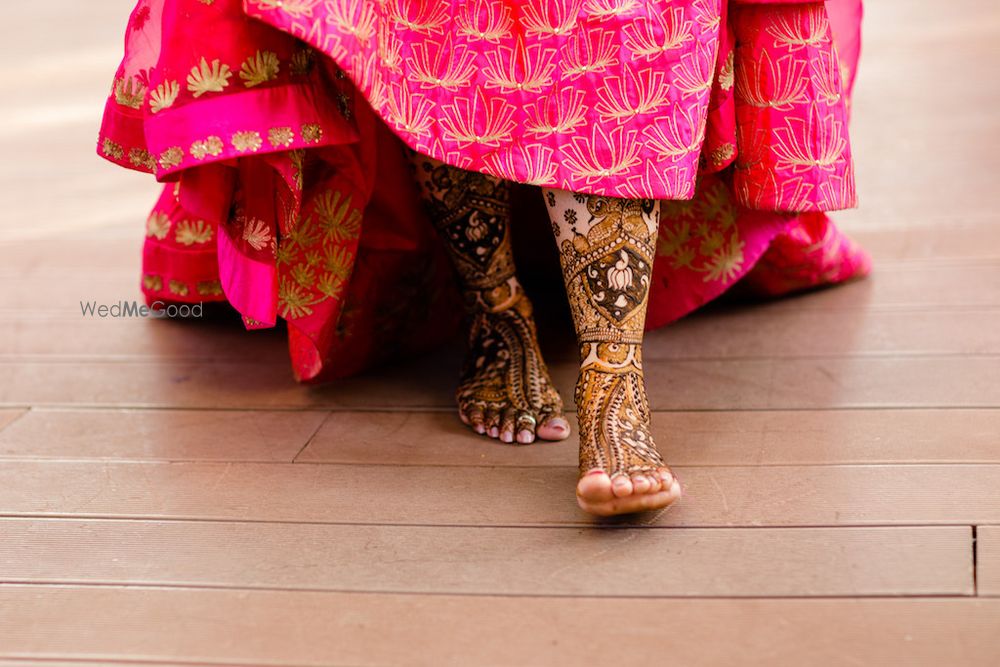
{"points": [[616, 358], [497, 298]]}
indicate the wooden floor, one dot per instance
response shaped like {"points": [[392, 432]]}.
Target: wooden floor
{"points": [[169, 496]]}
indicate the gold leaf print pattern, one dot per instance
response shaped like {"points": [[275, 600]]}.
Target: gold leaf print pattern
{"points": [[172, 157], [281, 136], [302, 62], [338, 218], [352, 17], [209, 288], [312, 133], [604, 9], [152, 283], [178, 288], [796, 35], [257, 234], [727, 74], [112, 149], [190, 232], [485, 20], [636, 94], [557, 114], [702, 236], [518, 69], [211, 146], [208, 77], [587, 52], [293, 300], [248, 141], [418, 16], [157, 225], [164, 96], [294, 8], [478, 121], [140, 157], [129, 92], [649, 38], [260, 68], [550, 17]]}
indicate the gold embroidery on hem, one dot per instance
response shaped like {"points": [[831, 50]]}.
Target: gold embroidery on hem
{"points": [[211, 146]]}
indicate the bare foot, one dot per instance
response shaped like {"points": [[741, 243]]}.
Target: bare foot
{"points": [[505, 390], [621, 471]]}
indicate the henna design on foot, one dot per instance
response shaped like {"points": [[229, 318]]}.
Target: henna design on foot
{"points": [[606, 248], [505, 390]]}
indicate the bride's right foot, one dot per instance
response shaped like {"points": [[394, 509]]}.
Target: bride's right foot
{"points": [[620, 469], [505, 390]]}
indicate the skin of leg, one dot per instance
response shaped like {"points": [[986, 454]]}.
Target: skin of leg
{"points": [[505, 390], [606, 247]]}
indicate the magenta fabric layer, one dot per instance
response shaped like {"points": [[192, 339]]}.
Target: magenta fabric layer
{"points": [[289, 197], [602, 96]]}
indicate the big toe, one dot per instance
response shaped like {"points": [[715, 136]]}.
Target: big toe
{"points": [[595, 487]]}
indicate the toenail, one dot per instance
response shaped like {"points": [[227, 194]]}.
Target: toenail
{"points": [[507, 436], [525, 437], [594, 472]]}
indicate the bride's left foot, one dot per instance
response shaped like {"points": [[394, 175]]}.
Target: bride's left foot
{"points": [[621, 470], [505, 390]]}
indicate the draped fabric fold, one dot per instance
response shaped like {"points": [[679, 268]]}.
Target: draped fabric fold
{"points": [[277, 128]]}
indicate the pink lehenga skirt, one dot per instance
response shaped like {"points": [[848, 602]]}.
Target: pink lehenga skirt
{"points": [[277, 128]]}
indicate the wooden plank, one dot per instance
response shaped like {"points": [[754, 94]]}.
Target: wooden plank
{"points": [[77, 253], [909, 285], [183, 626], [733, 562], [988, 560], [429, 383], [45, 339], [182, 384], [918, 240], [754, 332], [818, 383], [714, 496], [806, 437], [893, 67], [170, 435], [60, 292], [7, 417]]}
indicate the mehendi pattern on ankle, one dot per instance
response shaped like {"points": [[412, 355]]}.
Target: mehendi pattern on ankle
{"points": [[505, 370], [471, 211], [606, 247], [504, 376]]}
